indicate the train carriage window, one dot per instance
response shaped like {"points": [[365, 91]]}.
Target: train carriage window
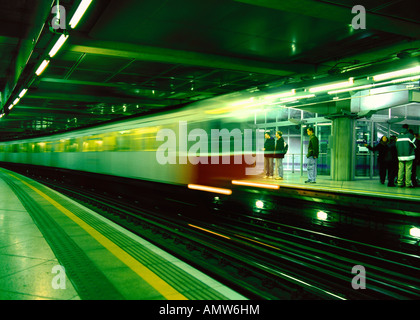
{"points": [[23, 147], [150, 139], [86, 144], [109, 141], [98, 145], [39, 147], [123, 140], [67, 145], [140, 137], [58, 145], [92, 144], [72, 145], [48, 146], [136, 140]]}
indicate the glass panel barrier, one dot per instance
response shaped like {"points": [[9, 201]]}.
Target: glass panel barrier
{"points": [[363, 155]]}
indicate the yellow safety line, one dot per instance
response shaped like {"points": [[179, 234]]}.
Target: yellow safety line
{"points": [[149, 276]]}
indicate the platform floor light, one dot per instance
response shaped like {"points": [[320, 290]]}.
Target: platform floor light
{"points": [[255, 184], [42, 67], [79, 13], [333, 86], [415, 232], [321, 215], [396, 74], [259, 204], [58, 45], [22, 93], [210, 189]]}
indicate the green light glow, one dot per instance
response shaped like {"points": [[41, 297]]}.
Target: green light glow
{"points": [[321, 215], [259, 204], [415, 232]]}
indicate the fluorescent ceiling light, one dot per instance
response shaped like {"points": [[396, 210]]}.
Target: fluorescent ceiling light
{"points": [[16, 101], [237, 106], [79, 13], [291, 99], [22, 93], [58, 45], [395, 74], [332, 86], [299, 97], [242, 102], [11, 106], [42, 67], [406, 79], [281, 95], [367, 86]]}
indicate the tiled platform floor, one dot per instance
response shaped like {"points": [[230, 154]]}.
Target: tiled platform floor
{"points": [[121, 264]]}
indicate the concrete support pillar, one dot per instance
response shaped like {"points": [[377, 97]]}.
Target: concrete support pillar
{"points": [[342, 158], [343, 145]]}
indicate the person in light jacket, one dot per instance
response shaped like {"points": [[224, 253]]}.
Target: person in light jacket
{"points": [[279, 152], [406, 155]]}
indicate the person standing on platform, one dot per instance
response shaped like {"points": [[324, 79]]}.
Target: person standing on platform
{"points": [[416, 160], [312, 155], [279, 152], [269, 146], [406, 156], [384, 157], [393, 164]]}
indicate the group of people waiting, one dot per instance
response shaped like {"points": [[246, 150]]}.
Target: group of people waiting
{"points": [[275, 149], [399, 157]]}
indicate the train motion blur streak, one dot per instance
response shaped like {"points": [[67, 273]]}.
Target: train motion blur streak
{"points": [[130, 148]]}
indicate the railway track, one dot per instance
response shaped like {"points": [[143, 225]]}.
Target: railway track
{"points": [[265, 259]]}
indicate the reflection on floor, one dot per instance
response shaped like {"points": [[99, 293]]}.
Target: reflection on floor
{"points": [[359, 186]]}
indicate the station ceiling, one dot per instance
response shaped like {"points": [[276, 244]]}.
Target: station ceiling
{"points": [[131, 57]]}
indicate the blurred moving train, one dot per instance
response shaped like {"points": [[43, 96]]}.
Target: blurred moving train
{"points": [[129, 148]]}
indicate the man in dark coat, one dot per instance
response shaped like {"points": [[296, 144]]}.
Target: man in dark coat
{"points": [[312, 155], [384, 157], [269, 146]]}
